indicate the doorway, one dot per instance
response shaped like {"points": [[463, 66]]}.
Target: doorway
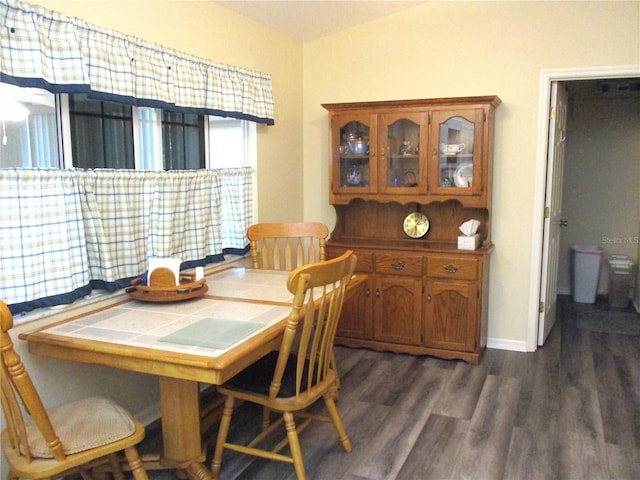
{"points": [[548, 79]]}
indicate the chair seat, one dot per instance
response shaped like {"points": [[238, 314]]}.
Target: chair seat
{"points": [[82, 425], [257, 377]]}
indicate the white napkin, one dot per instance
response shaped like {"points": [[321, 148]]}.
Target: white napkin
{"points": [[470, 227]]}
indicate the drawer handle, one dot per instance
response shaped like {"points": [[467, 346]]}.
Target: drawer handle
{"points": [[451, 268], [397, 264]]}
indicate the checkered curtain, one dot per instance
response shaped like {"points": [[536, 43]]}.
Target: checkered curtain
{"points": [[61, 230], [42, 48]]}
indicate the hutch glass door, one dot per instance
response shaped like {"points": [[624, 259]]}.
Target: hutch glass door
{"points": [[401, 163], [458, 167], [356, 148]]}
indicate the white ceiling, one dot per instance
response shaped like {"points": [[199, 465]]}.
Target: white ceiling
{"points": [[307, 20]]}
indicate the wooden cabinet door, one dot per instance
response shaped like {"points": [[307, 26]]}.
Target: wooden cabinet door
{"points": [[451, 315], [397, 305], [357, 312]]}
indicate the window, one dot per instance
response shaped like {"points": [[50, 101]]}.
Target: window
{"points": [[103, 134]]}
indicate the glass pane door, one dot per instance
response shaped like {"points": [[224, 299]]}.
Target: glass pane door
{"points": [[402, 168], [403, 141], [456, 162], [355, 167]]}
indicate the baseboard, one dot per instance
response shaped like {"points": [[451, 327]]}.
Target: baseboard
{"points": [[149, 415], [505, 344]]}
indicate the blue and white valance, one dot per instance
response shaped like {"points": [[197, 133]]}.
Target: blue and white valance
{"points": [[43, 48]]}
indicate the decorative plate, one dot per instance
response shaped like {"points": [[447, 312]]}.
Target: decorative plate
{"points": [[463, 176]]}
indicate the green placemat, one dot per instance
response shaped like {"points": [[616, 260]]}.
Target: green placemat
{"points": [[213, 333]]}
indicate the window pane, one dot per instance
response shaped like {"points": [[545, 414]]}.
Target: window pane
{"points": [[118, 139], [227, 143], [30, 141], [82, 104], [87, 142], [148, 139], [183, 140], [193, 148], [101, 133], [116, 110]]}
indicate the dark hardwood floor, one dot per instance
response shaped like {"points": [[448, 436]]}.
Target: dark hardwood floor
{"points": [[571, 410]]}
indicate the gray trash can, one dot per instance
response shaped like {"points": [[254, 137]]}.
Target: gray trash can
{"points": [[621, 279], [585, 272]]}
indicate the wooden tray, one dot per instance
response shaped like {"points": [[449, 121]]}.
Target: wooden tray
{"points": [[176, 293]]}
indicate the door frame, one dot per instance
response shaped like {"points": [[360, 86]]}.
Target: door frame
{"points": [[546, 78]]}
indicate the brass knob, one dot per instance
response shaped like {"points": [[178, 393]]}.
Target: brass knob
{"points": [[451, 268], [397, 265]]}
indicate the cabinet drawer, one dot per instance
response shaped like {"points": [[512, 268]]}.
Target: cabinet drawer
{"points": [[365, 262], [400, 264], [460, 268], [365, 259]]}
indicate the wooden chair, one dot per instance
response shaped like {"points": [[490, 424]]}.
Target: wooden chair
{"points": [[278, 246], [274, 246], [301, 372], [286, 246], [72, 438]]}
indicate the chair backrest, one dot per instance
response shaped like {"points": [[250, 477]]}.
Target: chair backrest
{"points": [[319, 291], [286, 246], [17, 385]]}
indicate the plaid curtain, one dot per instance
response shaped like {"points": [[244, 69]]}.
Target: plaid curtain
{"points": [[43, 48], [62, 230]]}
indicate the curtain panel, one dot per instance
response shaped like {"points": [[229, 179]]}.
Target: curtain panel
{"points": [[43, 48], [64, 232]]}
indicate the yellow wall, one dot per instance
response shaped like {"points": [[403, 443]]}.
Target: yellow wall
{"points": [[447, 49], [206, 30]]}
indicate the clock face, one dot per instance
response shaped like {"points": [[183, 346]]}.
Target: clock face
{"points": [[416, 225]]}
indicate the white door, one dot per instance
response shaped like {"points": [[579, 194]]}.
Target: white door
{"points": [[553, 211]]}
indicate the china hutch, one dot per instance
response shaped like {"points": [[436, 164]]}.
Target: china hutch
{"points": [[405, 175]]}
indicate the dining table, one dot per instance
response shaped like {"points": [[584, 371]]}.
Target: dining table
{"points": [[206, 339]]}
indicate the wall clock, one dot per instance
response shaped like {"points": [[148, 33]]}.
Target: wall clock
{"points": [[416, 225]]}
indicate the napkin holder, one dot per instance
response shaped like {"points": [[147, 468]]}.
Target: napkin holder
{"points": [[188, 287], [470, 240]]}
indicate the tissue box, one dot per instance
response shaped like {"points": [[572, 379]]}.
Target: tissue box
{"points": [[470, 242]]}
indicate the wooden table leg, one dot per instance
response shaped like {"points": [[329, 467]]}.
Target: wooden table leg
{"points": [[182, 443]]}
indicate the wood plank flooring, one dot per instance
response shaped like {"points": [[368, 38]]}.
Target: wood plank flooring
{"points": [[571, 410]]}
